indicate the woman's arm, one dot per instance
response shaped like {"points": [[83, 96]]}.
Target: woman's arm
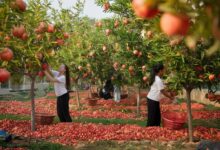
{"points": [[167, 94], [50, 77], [49, 70]]}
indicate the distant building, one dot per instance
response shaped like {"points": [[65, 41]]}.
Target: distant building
{"points": [[8, 86]]}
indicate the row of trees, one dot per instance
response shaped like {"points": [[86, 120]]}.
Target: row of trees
{"points": [[29, 32], [188, 43], [134, 43]]}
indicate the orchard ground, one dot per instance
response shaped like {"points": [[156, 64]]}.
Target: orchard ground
{"points": [[108, 124]]}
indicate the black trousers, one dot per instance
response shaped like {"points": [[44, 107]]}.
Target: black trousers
{"points": [[63, 108], [154, 115]]}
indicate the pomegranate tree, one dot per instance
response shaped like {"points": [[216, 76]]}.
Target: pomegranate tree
{"points": [[26, 42], [180, 25]]}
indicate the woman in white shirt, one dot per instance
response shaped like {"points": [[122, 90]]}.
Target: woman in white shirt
{"points": [[157, 88], [61, 82]]}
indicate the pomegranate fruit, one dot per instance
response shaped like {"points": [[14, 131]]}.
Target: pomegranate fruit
{"points": [[6, 54], [4, 75]]}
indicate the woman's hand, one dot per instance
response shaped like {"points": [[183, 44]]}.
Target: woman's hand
{"points": [[49, 76], [168, 94]]}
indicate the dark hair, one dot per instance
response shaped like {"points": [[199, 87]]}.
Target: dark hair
{"points": [[154, 71], [67, 73]]}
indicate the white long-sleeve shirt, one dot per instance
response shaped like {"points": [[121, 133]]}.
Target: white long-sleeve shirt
{"points": [[155, 89], [59, 87]]}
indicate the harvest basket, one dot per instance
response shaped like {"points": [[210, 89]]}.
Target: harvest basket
{"points": [[44, 119], [123, 96], [95, 95], [92, 101], [174, 120]]}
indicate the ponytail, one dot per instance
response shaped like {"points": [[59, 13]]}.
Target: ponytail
{"points": [[154, 71], [67, 74], [152, 77]]}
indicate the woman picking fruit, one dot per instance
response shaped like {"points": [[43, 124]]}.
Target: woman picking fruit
{"points": [[157, 88], [61, 82]]}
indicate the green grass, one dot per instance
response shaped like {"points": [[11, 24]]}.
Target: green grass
{"points": [[135, 145], [109, 121], [51, 97], [48, 146], [212, 123], [211, 107], [34, 145], [180, 100], [14, 117]]}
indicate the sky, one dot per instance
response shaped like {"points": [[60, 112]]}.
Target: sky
{"points": [[91, 9]]}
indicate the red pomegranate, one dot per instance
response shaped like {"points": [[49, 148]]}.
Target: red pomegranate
{"points": [[174, 24], [106, 6], [140, 54], [41, 74], [42, 26], [145, 9], [39, 55], [39, 37], [80, 68], [66, 35], [6, 54], [24, 36], [123, 66], [4, 75], [115, 65], [50, 28], [136, 52], [104, 48], [144, 78], [125, 21], [98, 24], [60, 42], [108, 32], [44, 66], [149, 34], [131, 69], [144, 68], [211, 77], [116, 24], [18, 31], [21, 5], [7, 38]]}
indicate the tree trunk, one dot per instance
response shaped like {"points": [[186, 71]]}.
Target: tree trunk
{"points": [[32, 104], [90, 90], [189, 114], [138, 101], [77, 97], [128, 92]]}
